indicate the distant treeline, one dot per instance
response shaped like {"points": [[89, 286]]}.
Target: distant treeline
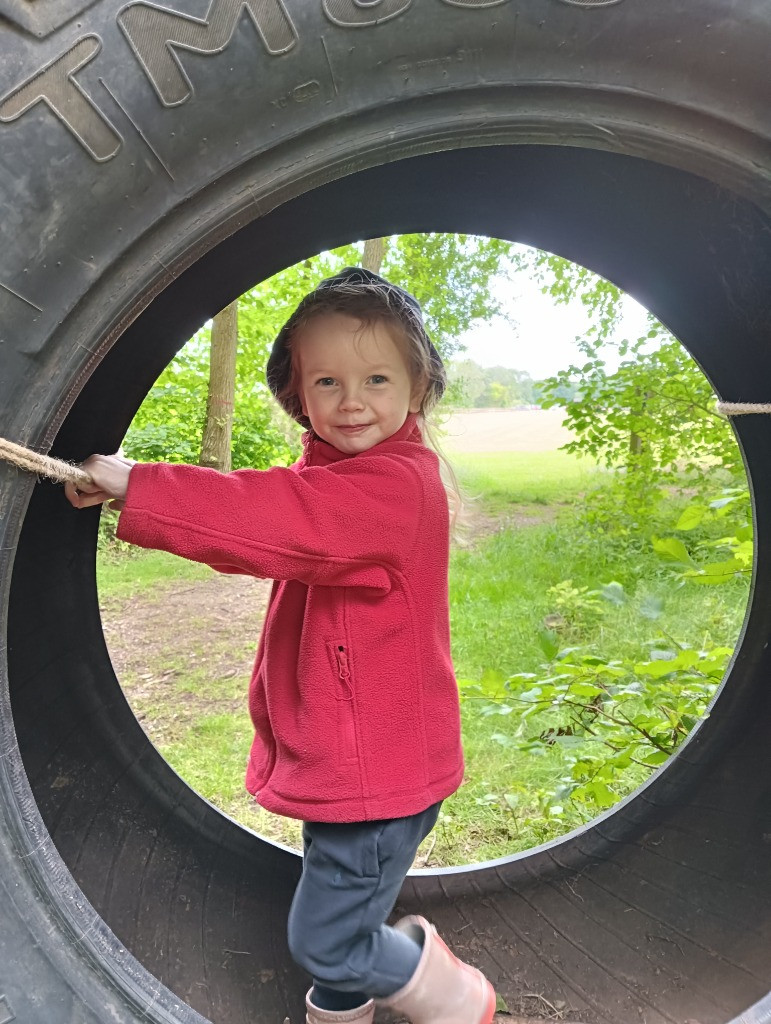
{"points": [[477, 387]]}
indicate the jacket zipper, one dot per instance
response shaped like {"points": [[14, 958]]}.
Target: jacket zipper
{"points": [[346, 697]]}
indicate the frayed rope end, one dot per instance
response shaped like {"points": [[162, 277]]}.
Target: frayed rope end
{"points": [[33, 462]]}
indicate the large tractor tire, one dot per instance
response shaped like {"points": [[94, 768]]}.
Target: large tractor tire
{"points": [[155, 162]]}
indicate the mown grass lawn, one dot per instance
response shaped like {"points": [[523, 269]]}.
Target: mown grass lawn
{"points": [[529, 541]]}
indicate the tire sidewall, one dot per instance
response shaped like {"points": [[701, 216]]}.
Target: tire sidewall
{"points": [[87, 244]]}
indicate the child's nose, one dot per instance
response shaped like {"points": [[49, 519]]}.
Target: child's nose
{"points": [[351, 399]]}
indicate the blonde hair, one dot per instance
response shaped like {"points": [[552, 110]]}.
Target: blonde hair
{"points": [[370, 306]]}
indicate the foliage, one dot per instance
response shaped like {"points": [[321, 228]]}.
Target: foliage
{"points": [[613, 719], [450, 274], [732, 514], [575, 606], [107, 541], [490, 387], [606, 696], [652, 417]]}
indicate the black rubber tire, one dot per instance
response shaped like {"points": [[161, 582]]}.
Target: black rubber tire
{"points": [[629, 135]]}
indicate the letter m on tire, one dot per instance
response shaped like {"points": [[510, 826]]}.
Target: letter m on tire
{"points": [[155, 33]]}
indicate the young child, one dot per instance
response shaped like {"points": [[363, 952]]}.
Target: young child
{"points": [[353, 696]]}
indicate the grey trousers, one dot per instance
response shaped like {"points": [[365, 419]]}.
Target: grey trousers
{"points": [[352, 874]]}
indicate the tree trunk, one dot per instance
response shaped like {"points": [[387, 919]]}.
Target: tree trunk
{"points": [[636, 443], [374, 251], [218, 429]]}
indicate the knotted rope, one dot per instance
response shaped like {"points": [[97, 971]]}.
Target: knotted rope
{"points": [[43, 465]]}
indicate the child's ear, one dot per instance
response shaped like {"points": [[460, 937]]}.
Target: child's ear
{"points": [[301, 399], [417, 396]]}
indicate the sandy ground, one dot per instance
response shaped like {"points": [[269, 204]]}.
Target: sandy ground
{"points": [[505, 430]]}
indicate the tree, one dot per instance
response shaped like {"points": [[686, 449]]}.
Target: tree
{"points": [[498, 395], [372, 257], [218, 426], [453, 277], [654, 416], [497, 386], [467, 379]]}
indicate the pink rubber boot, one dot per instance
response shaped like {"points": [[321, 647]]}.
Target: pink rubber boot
{"points": [[359, 1015], [443, 990]]}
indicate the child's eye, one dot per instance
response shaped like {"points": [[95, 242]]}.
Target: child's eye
{"points": [[326, 382], [378, 378]]}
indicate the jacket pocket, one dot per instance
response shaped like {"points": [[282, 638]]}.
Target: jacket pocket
{"points": [[346, 720]]}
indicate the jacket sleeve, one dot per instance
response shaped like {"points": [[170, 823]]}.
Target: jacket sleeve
{"points": [[350, 524]]}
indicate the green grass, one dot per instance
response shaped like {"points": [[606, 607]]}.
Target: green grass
{"points": [[543, 478], [210, 757], [500, 602], [499, 599], [128, 574]]}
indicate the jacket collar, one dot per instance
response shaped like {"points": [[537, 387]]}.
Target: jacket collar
{"points": [[317, 452]]}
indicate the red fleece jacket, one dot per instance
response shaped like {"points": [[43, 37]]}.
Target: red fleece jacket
{"points": [[353, 695]]}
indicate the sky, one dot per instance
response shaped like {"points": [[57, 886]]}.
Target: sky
{"points": [[542, 341]]}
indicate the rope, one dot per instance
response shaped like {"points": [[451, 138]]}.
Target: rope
{"points": [[64, 472], [742, 408], [44, 465]]}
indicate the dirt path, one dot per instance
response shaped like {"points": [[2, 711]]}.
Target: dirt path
{"points": [[201, 628]]}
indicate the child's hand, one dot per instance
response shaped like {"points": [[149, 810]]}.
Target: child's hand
{"points": [[110, 474]]}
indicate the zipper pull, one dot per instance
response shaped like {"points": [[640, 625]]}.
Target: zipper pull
{"points": [[343, 670], [342, 659]]}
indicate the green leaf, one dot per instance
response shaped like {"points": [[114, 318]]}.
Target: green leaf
{"points": [[672, 550], [596, 792], [722, 502], [662, 654], [716, 572], [687, 657], [655, 669], [586, 690], [502, 739], [691, 517], [654, 760], [533, 696], [494, 708], [492, 683], [549, 643]]}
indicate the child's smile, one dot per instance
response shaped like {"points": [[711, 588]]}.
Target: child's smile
{"points": [[355, 385]]}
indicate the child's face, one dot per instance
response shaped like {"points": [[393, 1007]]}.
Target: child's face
{"points": [[354, 384]]}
